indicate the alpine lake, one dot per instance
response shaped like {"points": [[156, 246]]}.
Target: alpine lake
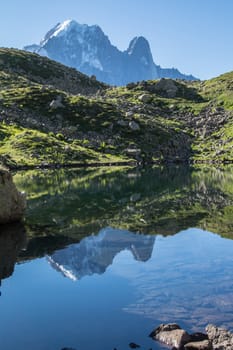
{"points": [[104, 255]]}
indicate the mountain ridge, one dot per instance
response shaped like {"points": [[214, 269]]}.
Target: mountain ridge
{"points": [[90, 51]]}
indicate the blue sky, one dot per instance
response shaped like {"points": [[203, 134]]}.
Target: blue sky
{"points": [[193, 35]]}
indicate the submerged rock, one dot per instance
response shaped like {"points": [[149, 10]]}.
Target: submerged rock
{"points": [[12, 202], [134, 345]]}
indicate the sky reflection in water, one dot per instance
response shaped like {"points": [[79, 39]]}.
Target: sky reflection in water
{"points": [[117, 290]]}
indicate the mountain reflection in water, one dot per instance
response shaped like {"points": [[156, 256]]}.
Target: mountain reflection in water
{"points": [[95, 253]]}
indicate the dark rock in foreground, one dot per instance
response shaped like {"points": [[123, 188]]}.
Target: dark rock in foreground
{"points": [[12, 202], [172, 335]]}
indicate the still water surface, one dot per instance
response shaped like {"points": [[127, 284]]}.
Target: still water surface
{"points": [[105, 256]]}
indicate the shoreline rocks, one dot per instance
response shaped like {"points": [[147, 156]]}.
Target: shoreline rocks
{"points": [[12, 202], [220, 338], [173, 335]]}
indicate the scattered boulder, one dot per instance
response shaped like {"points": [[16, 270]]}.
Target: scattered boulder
{"points": [[167, 87], [12, 202], [134, 126], [129, 114], [54, 104], [131, 151], [145, 98]]}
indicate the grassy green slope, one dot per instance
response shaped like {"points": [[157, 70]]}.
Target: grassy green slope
{"points": [[50, 114]]}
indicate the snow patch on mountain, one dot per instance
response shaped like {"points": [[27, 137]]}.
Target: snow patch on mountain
{"points": [[63, 27], [92, 61]]}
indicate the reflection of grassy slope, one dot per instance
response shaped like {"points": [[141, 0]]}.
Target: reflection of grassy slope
{"points": [[150, 201]]}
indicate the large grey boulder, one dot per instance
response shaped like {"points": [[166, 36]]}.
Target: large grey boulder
{"points": [[167, 87], [12, 202], [172, 335], [145, 98]]}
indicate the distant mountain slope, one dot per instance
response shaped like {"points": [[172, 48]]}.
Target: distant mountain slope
{"points": [[24, 68], [89, 50]]}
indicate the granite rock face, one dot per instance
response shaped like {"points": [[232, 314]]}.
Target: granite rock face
{"points": [[12, 202]]}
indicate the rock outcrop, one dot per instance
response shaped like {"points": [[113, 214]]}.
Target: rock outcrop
{"points": [[12, 202], [173, 335]]}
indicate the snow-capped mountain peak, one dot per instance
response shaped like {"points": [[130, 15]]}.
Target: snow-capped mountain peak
{"points": [[61, 29], [89, 50], [64, 27]]}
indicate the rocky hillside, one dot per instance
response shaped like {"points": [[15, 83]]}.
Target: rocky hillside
{"points": [[54, 115], [89, 50]]}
